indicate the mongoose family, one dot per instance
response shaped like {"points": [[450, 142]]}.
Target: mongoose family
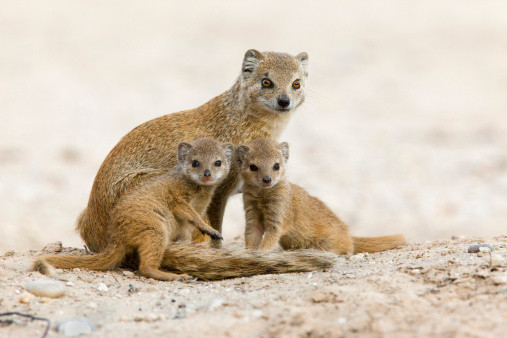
{"points": [[278, 211], [259, 105], [166, 210]]}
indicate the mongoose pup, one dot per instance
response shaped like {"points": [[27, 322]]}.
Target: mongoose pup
{"points": [[155, 221], [258, 105], [278, 211], [165, 210]]}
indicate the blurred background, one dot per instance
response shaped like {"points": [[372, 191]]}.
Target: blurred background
{"points": [[404, 128]]}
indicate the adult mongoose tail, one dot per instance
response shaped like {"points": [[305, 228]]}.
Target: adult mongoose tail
{"points": [[376, 244], [214, 264]]}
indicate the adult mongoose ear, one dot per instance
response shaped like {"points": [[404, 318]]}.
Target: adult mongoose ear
{"points": [[183, 151], [228, 151], [303, 60], [251, 61], [242, 152], [284, 149]]}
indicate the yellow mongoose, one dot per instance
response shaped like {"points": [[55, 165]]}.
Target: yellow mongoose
{"points": [[278, 211], [152, 217], [258, 105]]}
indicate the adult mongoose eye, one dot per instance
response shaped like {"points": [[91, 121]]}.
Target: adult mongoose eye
{"points": [[253, 167], [266, 83], [195, 164], [218, 163], [296, 84]]}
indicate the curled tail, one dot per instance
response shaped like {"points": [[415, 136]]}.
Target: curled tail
{"points": [[213, 264], [101, 261], [376, 244]]}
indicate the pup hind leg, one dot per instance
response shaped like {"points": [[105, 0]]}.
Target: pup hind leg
{"points": [[151, 252]]}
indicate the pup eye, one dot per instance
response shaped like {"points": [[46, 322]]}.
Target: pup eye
{"points": [[296, 84], [266, 83], [218, 163], [253, 167], [195, 163], [276, 166]]}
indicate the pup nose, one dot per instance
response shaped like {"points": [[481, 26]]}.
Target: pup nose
{"points": [[283, 102], [207, 173], [266, 179]]}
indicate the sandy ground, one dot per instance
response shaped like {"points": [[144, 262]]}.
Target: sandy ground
{"points": [[431, 289], [404, 130]]}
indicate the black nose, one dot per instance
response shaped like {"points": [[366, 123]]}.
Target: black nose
{"points": [[266, 179], [283, 102], [207, 173]]}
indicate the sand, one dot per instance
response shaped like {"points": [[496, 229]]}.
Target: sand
{"points": [[404, 130], [429, 289]]}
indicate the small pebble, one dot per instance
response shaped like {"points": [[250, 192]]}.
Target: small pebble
{"points": [[475, 248], [497, 260], [46, 288], [9, 253], [53, 247], [92, 305], [215, 304], [45, 300], [500, 279], [357, 257], [74, 327], [127, 273], [102, 287], [256, 313], [25, 298], [69, 283]]}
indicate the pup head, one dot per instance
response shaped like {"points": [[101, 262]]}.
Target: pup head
{"points": [[205, 161], [263, 162]]}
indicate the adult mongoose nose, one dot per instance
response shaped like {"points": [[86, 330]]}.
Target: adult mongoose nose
{"points": [[283, 102], [266, 179], [207, 173]]}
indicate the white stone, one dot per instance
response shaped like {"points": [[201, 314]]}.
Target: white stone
{"points": [[102, 287], [46, 288], [74, 327]]}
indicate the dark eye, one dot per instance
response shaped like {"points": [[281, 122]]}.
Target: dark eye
{"points": [[266, 83], [276, 166], [218, 163], [296, 84], [195, 163], [253, 167]]}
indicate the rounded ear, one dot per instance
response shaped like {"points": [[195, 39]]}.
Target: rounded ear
{"points": [[303, 60], [242, 152], [183, 151], [251, 61], [284, 149], [228, 151]]}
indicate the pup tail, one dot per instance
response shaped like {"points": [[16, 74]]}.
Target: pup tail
{"points": [[101, 261], [376, 244], [214, 264]]}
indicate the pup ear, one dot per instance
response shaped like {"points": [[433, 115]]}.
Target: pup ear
{"points": [[250, 62], [228, 151], [303, 61], [183, 151], [242, 152], [284, 149]]}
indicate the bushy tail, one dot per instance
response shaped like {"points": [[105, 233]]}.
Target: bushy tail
{"points": [[213, 264], [376, 244], [101, 261]]}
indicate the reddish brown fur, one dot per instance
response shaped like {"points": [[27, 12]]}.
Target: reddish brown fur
{"points": [[282, 212], [241, 114]]}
